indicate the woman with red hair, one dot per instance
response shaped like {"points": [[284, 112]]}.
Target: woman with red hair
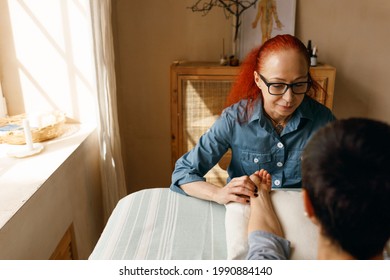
{"points": [[270, 116]]}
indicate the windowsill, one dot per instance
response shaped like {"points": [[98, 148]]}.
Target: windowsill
{"points": [[20, 178]]}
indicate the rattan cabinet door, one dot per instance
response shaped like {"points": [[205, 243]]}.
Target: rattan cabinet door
{"points": [[198, 96]]}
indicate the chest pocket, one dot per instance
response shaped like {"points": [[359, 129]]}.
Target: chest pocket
{"points": [[251, 162], [294, 164]]}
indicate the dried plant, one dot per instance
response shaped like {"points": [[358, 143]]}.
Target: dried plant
{"points": [[231, 8]]}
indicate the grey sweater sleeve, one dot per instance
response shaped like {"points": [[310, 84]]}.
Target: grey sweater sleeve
{"points": [[267, 246]]}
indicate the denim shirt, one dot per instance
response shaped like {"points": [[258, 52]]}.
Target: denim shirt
{"points": [[254, 144]]}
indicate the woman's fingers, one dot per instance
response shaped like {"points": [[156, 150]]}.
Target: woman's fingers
{"points": [[241, 189], [242, 186]]}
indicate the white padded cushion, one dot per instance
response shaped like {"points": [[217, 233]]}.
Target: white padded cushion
{"points": [[298, 229]]}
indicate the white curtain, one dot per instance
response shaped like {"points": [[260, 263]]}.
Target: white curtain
{"points": [[113, 179]]}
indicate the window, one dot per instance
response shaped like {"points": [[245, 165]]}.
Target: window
{"points": [[47, 59]]}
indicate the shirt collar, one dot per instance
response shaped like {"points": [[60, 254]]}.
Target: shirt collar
{"points": [[257, 110], [302, 112]]}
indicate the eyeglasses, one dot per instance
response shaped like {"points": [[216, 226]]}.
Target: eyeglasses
{"points": [[281, 88]]}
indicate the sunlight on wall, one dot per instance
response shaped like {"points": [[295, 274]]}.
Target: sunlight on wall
{"points": [[54, 56]]}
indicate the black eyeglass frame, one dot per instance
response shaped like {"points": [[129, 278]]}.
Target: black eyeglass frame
{"points": [[309, 83]]}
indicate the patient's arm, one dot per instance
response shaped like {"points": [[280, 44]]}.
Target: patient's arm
{"points": [[263, 216]]}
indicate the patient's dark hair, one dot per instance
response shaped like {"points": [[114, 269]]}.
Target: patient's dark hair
{"points": [[346, 172]]}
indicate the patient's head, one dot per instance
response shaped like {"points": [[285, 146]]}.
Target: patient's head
{"points": [[346, 173]]}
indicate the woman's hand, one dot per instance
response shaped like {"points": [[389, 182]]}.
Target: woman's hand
{"points": [[239, 189]]}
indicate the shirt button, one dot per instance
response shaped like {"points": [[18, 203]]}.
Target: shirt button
{"points": [[277, 182], [280, 145], [255, 160], [279, 164]]}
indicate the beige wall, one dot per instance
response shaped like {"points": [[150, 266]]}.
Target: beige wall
{"points": [[353, 36], [150, 34]]}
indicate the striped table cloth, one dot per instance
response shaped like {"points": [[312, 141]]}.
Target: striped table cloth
{"points": [[158, 224]]}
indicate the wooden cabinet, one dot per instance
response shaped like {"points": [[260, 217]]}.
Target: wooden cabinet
{"points": [[325, 75], [198, 95], [66, 248]]}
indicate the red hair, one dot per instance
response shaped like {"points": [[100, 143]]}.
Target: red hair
{"points": [[245, 86]]}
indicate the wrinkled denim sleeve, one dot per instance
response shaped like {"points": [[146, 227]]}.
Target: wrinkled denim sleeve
{"points": [[267, 246], [212, 145]]}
